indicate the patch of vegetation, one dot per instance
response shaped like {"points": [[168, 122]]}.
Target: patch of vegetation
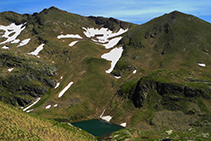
{"points": [[18, 125]]}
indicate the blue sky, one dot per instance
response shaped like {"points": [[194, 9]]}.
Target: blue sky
{"points": [[136, 11]]}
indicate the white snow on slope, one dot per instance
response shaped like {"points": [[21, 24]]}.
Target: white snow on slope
{"points": [[10, 69], [15, 41], [11, 32], [47, 107], [55, 105], [24, 42], [37, 50], [103, 33], [113, 56], [202, 65], [57, 85], [73, 43], [123, 124], [32, 104], [112, 42], [134, 71], [117, 77], [5, 47], [28, 111], [106, 118], [65, 89], [70, 36]]}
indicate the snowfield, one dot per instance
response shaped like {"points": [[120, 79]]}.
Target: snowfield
{"points": [[5, 47], [37, 50], [65, 89], [24, 42], [11, 32], [117, 77], [106, 118], [123, 124], [10, 69], [104, 35], [28, 111], [69, 36], [47, 107], [73, 43], [112, 42], [113, 56], [15, 41], [57, 85], [31, 104], [202, 65]]}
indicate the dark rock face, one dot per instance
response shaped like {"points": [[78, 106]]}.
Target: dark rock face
{"points": [[30, 79], [172, 93], [109, 22]]}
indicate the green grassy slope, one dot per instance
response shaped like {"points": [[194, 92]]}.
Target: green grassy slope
{"points": [[82, 64], [164, 51], [172, 41], [18, 125]]}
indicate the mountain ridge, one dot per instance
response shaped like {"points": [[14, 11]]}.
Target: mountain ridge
{"points": [[166, 54]]}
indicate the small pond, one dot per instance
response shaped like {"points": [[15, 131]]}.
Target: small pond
{"points": [[97, 127]]}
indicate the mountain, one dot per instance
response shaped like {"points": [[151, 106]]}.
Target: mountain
{"points": [[68, 67]]}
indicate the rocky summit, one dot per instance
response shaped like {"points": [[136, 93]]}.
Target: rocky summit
{"points": [[154, 79]]}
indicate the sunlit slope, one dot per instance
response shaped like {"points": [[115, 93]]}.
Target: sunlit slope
{"points": [[18, 125], [66, 42], [172, 41]]}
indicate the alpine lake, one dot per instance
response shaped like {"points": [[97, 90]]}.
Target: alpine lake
{"points": [[97, 127]]}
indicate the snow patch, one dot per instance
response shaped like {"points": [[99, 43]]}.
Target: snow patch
{"points": [[32, 104], [15, 41], [61, 77], [201, 64], [169, 132], [117, 77], [70, 36], [37, 50], [55, 105], [123, 124], [5, 47], [28, 111], [57, 85], [106, 118], [24, 42], [112, 42], [11, 32], [113, 56], [47, 107], [134, 71], [73, 43], [103, 35], [65, 89], [10, 69]]}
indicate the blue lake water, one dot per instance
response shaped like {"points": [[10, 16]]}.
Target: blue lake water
{"points": [[97, 127]]}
